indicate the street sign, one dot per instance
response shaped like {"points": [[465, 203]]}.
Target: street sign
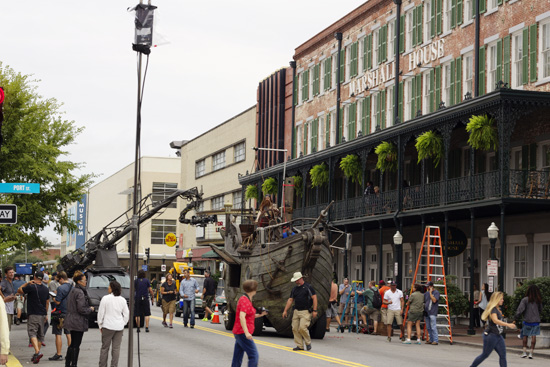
{"points": [[491, 284], [19, 188], [170, 239], [144, 267], [8, 214], [492, 268], [163, 267]]}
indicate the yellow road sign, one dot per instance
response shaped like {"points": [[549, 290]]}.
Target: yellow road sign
{"points": [[170, 239]]}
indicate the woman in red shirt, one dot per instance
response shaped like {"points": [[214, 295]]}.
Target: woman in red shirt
{"points": [[244, 327]]}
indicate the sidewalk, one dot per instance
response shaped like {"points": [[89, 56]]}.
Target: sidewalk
{"points": [[514, 346]]}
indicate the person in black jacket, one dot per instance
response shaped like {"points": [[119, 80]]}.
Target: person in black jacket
{"points": [[76, 321]]}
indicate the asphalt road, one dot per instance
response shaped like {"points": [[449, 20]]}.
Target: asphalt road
{"points": [[211, 345]]}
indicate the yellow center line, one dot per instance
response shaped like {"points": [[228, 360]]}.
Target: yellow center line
{"points": [[277, 346]]}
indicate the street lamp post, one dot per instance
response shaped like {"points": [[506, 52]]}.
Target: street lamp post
{"points": [[492, 232], [398, 241]]}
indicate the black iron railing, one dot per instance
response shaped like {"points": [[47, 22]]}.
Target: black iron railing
{"points": [[482, 186]]}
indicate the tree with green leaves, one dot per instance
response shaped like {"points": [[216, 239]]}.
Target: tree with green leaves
{"points": [[35, 137]]}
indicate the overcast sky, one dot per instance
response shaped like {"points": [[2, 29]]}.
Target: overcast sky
{"points": [[218, 52]]}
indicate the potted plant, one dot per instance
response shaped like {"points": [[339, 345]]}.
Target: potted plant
{"points": [[387, 157], [351, 166], [483, 133], [319, 175], [429, 145], [251, 192], [298, 185], [270, 186]]}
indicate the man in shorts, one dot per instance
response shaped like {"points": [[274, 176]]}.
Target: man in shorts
{"points": [[369, 310], [59, 302], [415, 314], [38, 302], [332, 309], [394, 299], [168, 291], [382, 289], [208, 295]]}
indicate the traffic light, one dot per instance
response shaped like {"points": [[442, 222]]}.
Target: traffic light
{"points": [[147, 253]]}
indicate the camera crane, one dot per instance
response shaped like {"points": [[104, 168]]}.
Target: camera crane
{"points": [[107, 238]]}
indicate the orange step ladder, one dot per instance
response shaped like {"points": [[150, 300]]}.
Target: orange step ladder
{"points": [[433, 270]]}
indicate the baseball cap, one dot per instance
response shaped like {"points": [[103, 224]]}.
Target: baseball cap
{"points": [[39, 275], [381, 283], [391, 282], [430, 284]]}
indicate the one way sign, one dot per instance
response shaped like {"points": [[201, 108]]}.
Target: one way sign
{"points": [[8, 214]]}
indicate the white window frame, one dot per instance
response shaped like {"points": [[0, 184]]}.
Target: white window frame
{"points": [[321, 77], [345, 118], [409, 21], [310, 83], [217, 203], [300, 83], [335, 65], [407, 93], [388, 257], [347, 63], [491, 5], [425, 92], [332, 128], [427, 20], [239, 152], [520, 263], [492, 67], [446, 84], [321, 133], [360, 48], [200, 168], [166, 226], [390, 47], [468, 11], [466, 272], [218, 161], [447, 13], [544, 51], [237, 197], [516, 159], [545, 260], [408, 269], [310, 137], [374, 109], [375, 50], [299, 139], [162, 190], [468, 74], [517, 59], [389, 106]]}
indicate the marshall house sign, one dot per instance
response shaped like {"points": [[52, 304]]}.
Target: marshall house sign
{"points": [[372, 79]]}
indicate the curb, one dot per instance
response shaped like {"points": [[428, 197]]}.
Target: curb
{"points": [[509, 350], [13, 361]]}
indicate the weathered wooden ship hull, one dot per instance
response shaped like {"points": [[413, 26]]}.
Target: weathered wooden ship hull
{"points": [[273, 264]]}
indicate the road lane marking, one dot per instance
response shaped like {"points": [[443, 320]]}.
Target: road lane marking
{"points": [[13, 361], [338, 361]]}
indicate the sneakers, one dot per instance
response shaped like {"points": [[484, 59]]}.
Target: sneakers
{"points": [[184, 325], [524, 355], [530, 355], [418, 341], [205, 319], [308, 346], [192, 326], [56, 357], [36, 357], [164, 324], [408, 341], [171, 327], [146, 329], [435, 343], [389, 339], [43, 344], [297, 349]]}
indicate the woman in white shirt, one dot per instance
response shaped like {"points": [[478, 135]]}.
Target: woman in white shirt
{"points": [[112, 316]]}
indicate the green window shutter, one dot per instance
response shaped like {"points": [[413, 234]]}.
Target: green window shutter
{"points": [[459, 12], [304, 147], [341, 127], [369, 51], [305, 85], [525, 58], [402, 34], [438, 16], [385, 43], [342, 66], [400, 102], [431, 107], [413, 99], [366, 114], [353, 63], [419, 17], [314, 130], [458, 84], [418, 93], [453, 14], [327, 131], [452, 86], [525, 157], [414, 17], [352, 118], [432, 18], [296, 154], [506, 59], [533, 156], [295, 91], [481, 90], [499, 2], [365, 46], [533, 52], [437, 87], [499, 62], [482, 6], [326, 73], [383, 109], [316, 79]]}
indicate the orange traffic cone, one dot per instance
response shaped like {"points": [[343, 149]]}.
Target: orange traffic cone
{"points": [[216, 318]]}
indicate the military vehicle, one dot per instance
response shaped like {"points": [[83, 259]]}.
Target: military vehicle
{"points": [[270, 255]]}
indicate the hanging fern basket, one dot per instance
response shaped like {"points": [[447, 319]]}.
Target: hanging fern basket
{"points": [[387, 157], [270, 186], [298, 185], [251, 192], [351, 166], [429, 145], [483, 133], [319, 175]]}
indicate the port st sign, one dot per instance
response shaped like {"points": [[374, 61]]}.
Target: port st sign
{"points": [[8, 214]]}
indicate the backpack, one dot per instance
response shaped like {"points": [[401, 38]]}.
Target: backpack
{"points": [[376, 299]]}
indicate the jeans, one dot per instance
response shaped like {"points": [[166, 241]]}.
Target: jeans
{"points": [[492, 342], [188, 307], [242, 344], [431, 325]]}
